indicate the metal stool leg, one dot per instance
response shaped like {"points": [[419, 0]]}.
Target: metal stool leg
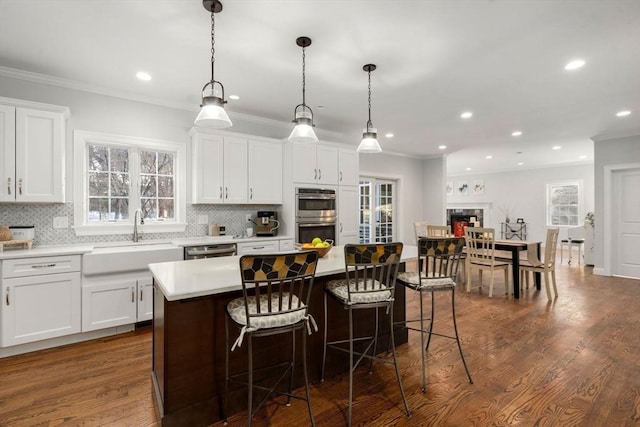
{"points": [[395, 363], [455, 328], [422, 346], [226, 370], [324, 346], [306, 375], [350, 365]]}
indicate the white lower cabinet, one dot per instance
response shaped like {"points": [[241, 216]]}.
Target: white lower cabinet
{"points": [[286, 245], [263, 247], [40, 299], [116, 300]]}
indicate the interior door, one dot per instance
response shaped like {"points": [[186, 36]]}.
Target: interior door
{"points": [[626, 223]]}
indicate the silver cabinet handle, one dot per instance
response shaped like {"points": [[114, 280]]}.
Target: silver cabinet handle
{"points": [[20, 186], [258, 247], [140, 294], [340, 176], [319, 173], [251, 193], [133, 295], [9, 186], [7, 298], [341, 227], [315, 174], [43, 265], [226, 192], [220, 192]]}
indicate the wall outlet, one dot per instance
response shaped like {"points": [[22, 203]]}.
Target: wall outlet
{"points": [[60, 222], [248, 216], [203, 219]]}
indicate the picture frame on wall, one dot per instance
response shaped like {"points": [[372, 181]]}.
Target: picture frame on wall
{"points": [[449, 188], [478, 187], [462, 187]]}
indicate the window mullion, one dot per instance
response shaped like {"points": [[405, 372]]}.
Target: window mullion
{"points": [[134, 182]]}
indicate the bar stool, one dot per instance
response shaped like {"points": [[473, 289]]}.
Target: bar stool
{"points": [[369, 283], [276, 291], [439, 259]]}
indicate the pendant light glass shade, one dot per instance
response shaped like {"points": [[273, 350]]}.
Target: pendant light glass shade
{"points": [[303, 130], [303, 115], [369, 143], [212, 115]]}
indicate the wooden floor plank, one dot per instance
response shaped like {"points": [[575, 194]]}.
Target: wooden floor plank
{"points": [[570, 362]]}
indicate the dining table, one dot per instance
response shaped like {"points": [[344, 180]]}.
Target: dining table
{"points": [[514, 247]]}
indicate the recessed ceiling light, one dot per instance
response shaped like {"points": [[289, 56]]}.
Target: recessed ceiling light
{"points": [[466, 115], [442, 147], [575, 64], [488, 157], [582, 157], [389, 135], [320, 107], [234, 97], [520, 163], [516, 133], [468, 169], [556, 147], [623, 113], [143, 76]]}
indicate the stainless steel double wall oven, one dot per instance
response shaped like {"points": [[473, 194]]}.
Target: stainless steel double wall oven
{"points": [[315, 214]]}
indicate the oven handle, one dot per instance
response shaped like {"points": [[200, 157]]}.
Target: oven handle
{"points": [[315, 224], [317, 197], [230, 251]]}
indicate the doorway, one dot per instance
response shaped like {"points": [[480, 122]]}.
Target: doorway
{"points": [[377, 210], [625, 223]]}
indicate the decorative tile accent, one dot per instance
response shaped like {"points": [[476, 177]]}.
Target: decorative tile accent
{"points": [[41, 216]]}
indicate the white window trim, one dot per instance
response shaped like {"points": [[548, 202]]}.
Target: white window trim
{"points": [[82, 227], [581, 210]]}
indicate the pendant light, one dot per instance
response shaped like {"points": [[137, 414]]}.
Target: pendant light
{"points": [[213, 114], [303, 115], [369, 143]]}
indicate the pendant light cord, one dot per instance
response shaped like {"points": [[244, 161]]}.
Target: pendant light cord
{"points": [[369, 122], [304, 104], [213, 44]]}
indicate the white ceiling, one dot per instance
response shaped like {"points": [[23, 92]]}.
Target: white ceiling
{"points": [[502, 59]]}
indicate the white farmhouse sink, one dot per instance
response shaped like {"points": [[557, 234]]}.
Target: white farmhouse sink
{"points": [[128, 257]]}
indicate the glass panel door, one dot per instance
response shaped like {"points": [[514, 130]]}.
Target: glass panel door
{"points": [[377, 201]]}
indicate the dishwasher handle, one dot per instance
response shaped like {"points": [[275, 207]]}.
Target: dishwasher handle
{"points": [[212, 252]]}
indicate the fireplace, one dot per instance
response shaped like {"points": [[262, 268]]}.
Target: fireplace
{"points": [[458, 219]]}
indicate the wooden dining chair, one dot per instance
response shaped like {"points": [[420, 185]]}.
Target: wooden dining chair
{"points": [[420, 229], [547, 266], [438, 230], [481, 255]]}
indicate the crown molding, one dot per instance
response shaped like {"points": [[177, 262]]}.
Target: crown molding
{"points": [[102, 90]]}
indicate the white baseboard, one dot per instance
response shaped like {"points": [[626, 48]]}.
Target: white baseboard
{"points": [[599, 271]]}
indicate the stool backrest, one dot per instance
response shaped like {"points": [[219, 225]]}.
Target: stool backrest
{"points": [[440, 257], [372, 267], [282, 281]]}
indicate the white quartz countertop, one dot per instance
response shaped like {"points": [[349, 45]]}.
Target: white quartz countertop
{"points": [[194, 278], [48, 250]]}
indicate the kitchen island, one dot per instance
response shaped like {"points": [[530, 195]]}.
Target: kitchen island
{"points": [[190, 298]]}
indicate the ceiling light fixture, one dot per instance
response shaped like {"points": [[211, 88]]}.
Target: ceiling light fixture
{"points": [[466, 115], [575, 64], [369, 143], [623, 113], [303, 115], [489, 157], [389, 135], [442, 147], [520, 163], [141, 75], [212, 114], [556, 147], [234, 97], [516, 133]]}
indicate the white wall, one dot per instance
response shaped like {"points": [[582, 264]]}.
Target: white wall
{"points": [[434, 204], [608, 152], [411, 189], [524, 193]]}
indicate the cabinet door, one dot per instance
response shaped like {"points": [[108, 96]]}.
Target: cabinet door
{"points": [[265, 172], [108, 304], [40, 307], [235, 170], [39, 156], [258, 247], [327, 163], [7, 153], [208, 168], [348, 172], [348, 215], [304, 163], [145, 299]]}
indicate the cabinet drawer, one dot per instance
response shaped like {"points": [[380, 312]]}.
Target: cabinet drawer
{"points": [[23, 267], [258, 247], [287, 245]]}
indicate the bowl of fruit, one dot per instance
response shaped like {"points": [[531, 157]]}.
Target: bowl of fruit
{"points": [[317, 244]]}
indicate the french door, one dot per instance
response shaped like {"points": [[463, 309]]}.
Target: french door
{"points": [[377, 210]]}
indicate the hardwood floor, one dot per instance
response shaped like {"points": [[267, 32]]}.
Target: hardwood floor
{"points": [[571, 362]]}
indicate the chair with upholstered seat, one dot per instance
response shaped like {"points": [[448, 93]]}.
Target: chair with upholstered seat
{"points": [[547, 267], [440, 258], [369, 284], [481, 255], [276, 292], [575, 237]]}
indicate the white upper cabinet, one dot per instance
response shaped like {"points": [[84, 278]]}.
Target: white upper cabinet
{"points": [[348, 214], [235, 169], [265, 172], [32, 144], [219, 168], [315, 163], [348, 171]]}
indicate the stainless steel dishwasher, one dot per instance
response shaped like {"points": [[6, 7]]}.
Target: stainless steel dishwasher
{"points": [[209, 251]]}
